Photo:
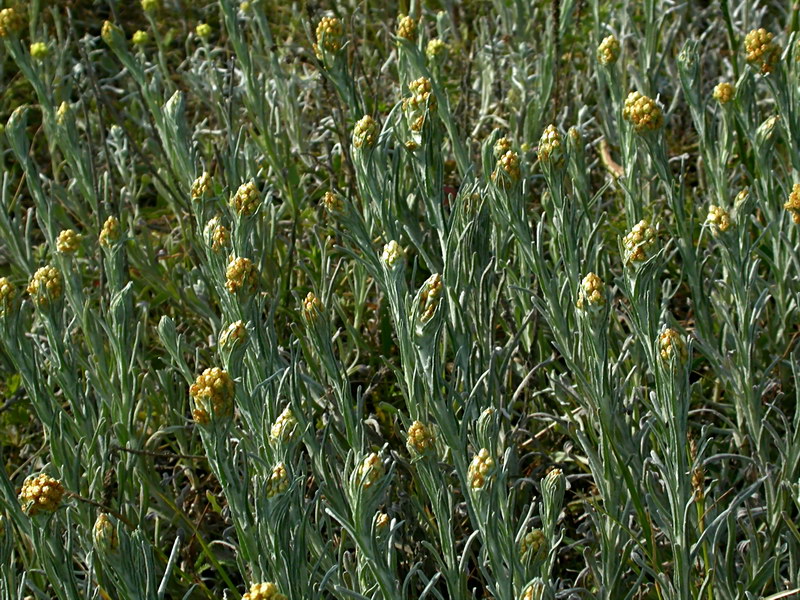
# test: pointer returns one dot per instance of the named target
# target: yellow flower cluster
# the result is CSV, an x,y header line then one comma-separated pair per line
x,y
637,241
608,51
110,232
216,234
550,145
670,343
332,202
532,541
793,203
45,285
435,48
263,591
421,97
724,92
761,51
39,50
480,469
407,28
501,147
278,481
392,254
233,334
507,169
329,36
421,438
150,5
642,112
68,241
284,429
370,470
312,306
241,274
7,293
203,30
245,200
365,133
10,22
41,493
108,31
429,298
105,534
381,520
62,112
140,38
592,291
201,186
212,393
718,219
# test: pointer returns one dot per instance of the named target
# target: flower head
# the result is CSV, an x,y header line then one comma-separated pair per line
x,y
608,51
420,99
724,92
201,186
45,285
7,294
429,297
216,234
284,429
370,470
592,291
241,274
212,393
68,241
105,534
435,48
550,149
480,469
365,133
329,36
246,199
110,232
532,542
671,344
761,51
11,22
263,591
278,480
718,219
793,203
506,170
39,50
332,202
407,28
312,307
637,241
421,438
41,493
203,30
233,334
642,112
150,5
392,254
501,147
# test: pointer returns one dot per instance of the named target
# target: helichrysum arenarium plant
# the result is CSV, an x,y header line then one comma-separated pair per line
x,y
389,302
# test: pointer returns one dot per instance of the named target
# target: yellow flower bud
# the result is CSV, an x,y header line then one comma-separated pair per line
x,y
392,254
241,275
365,133
246,199
793,203
212,393
608,51
284,429
40,493
407,28
110,232
278,481
68,241
550,149
435,49
201,186
671,344
7,294
312,307
592,291
105,534
506,172
233,334
329,36
421,439
642,112
216,234
203,30
480,469
370,470
263,591
39,50
637,241
11,22
45,285
718,219
724,92
761,51
140,38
